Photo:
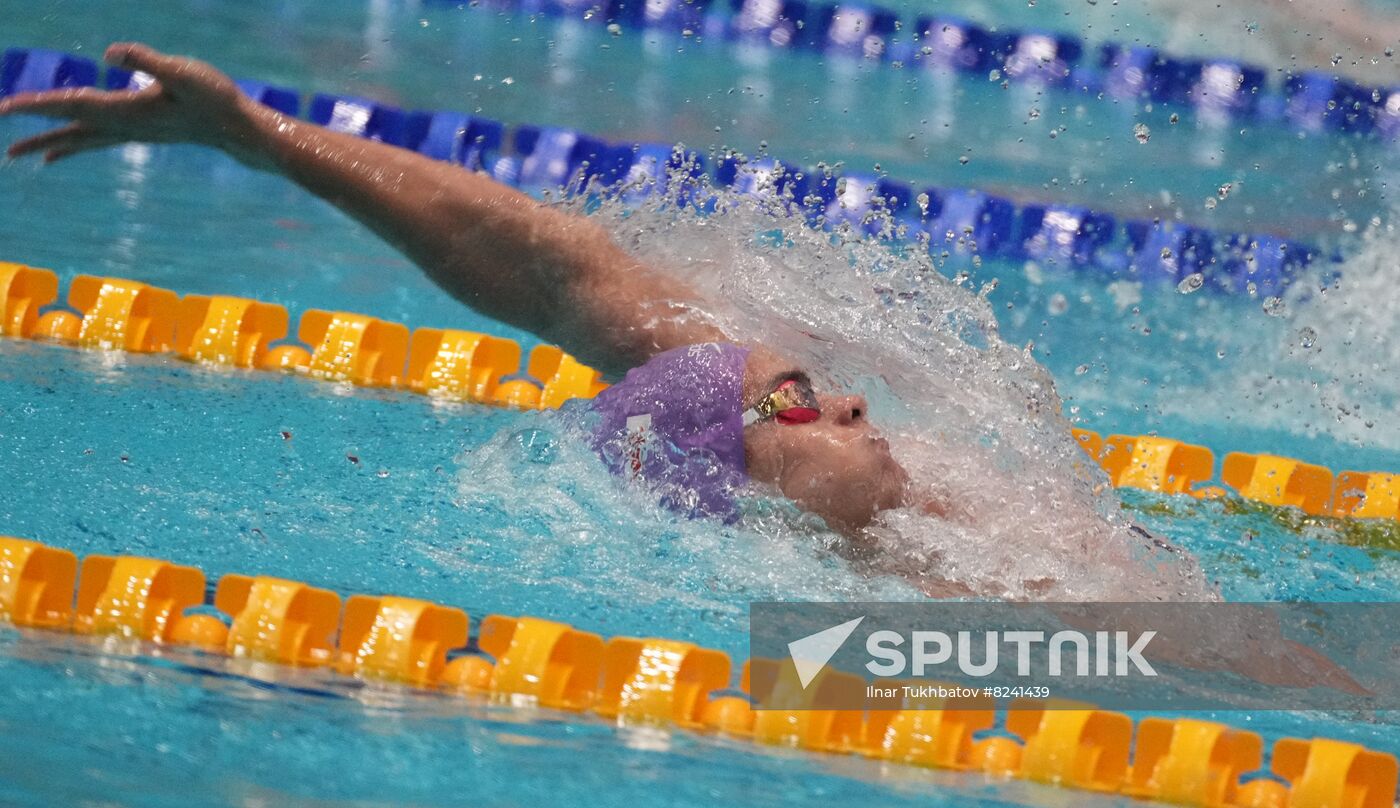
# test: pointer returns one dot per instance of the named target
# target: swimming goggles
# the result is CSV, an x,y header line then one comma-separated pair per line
x,y
791,403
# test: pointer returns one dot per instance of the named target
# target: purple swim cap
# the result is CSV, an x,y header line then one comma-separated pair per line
x,y
677,423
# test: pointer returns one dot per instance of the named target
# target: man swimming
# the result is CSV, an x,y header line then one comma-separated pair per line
x,y
522,262
700,412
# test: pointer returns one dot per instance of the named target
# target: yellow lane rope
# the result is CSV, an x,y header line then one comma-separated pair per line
x,y
536,663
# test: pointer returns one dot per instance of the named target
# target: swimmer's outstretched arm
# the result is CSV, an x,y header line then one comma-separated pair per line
x,y
497,250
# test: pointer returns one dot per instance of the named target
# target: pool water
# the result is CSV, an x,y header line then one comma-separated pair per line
x,y
500,512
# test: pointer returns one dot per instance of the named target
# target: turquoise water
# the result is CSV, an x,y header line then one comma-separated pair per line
x,y
152,456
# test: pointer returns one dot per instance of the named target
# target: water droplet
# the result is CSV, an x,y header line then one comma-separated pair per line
x,y
963,159
614,29
1174,118
1141,132
1058,304
1220,354
1224,190
538,446
1081,370
1033,114
994,75
1191,283
1210,203
1275,307
1307,336
1336,59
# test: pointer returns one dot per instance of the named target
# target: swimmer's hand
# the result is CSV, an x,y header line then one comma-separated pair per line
x,y
189,102
492,247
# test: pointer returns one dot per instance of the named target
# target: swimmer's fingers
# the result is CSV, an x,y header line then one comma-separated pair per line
x,y
178,74
79,102
63,142
175,75
44,140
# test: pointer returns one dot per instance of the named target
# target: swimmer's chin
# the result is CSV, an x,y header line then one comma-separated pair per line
x,y
892,491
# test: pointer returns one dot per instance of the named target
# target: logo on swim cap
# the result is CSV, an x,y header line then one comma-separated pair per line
x,y
638,432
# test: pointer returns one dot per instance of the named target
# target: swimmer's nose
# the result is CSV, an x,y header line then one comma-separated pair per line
x,y
849,410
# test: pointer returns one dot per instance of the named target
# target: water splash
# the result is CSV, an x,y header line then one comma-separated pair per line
x,y
975,420
1346,338
542,493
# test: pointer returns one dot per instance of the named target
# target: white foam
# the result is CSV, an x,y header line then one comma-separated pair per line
x,y
976,421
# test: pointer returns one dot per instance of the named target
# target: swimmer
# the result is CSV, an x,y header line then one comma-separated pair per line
x,y
696,411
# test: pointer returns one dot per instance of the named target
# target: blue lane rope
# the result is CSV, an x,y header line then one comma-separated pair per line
x,y
1310,100
950,220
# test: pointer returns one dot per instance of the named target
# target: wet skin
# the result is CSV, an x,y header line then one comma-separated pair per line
x,y
497,250
838,467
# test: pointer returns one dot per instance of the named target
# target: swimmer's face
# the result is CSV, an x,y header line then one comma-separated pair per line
x,y
838,466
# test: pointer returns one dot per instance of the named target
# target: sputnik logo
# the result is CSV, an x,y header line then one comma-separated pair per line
x,y
811,653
